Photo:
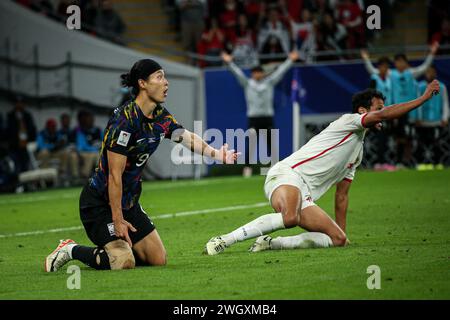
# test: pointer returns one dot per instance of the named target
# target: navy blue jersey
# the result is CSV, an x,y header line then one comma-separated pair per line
x,y
130,133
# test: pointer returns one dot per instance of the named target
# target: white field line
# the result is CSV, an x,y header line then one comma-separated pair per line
x,y
75,194
163,216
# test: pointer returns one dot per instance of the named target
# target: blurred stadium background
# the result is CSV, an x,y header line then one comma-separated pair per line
x,y
67,81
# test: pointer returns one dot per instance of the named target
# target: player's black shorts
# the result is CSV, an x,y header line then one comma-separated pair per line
x,y
96,217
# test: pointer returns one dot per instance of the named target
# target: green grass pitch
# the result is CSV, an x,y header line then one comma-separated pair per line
x,y
399,221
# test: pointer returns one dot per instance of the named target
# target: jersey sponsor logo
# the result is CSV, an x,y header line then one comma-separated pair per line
x,y
124,137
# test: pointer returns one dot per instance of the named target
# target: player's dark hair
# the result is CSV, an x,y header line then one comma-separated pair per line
x,y
364,99
140,70
384,60
400,56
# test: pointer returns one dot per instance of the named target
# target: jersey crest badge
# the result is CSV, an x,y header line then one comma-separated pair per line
x,y
124,137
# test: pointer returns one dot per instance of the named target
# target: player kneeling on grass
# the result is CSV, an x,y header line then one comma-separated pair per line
x,y
109,204
293,184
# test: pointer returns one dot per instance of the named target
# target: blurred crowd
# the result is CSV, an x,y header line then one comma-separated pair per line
x,y
98,17
72,150
248,28
439,23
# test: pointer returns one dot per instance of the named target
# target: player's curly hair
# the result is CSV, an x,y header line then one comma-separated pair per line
x,y
364,99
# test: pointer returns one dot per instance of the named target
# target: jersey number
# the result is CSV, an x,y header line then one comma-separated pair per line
x,y
142,159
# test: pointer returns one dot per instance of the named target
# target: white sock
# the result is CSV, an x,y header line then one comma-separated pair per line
x,y
69,249
261,225
302,241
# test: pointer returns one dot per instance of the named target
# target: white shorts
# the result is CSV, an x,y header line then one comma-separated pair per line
x,y
282,174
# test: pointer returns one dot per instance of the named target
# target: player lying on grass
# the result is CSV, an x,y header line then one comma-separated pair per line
x,y
109,204
295,183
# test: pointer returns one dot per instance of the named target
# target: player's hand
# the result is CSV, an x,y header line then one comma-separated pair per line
x,y
293,55
364,54
227,156
434,47
227,58
432,88
121,230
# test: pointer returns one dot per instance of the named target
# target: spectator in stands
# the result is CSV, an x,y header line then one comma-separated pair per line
x,y
88,142
258,92
192,24
443,36
89,14
350,15
304,35
50,147
212,42
229,19
243,45
332,36
432,119
108,22
67,137
252,9
274,37
438,10
20,131
44,7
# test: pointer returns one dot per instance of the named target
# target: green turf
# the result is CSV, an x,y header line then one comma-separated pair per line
x,y
399,221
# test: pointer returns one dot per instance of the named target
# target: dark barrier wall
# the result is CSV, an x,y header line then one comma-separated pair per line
x,y
327,89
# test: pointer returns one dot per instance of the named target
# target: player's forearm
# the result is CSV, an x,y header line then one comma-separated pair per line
x,y
397,110
115,196
198,145
340,209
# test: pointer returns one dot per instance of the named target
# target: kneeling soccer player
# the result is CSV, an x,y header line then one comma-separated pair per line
x,y
293,184
109,203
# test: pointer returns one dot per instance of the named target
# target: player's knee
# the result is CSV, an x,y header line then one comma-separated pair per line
x,y
160,260
120,255
290,219
340,239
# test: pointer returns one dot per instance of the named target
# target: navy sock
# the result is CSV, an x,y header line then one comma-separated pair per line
x,y
96,258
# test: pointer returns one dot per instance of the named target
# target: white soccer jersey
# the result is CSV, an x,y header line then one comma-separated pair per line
x,y
332,155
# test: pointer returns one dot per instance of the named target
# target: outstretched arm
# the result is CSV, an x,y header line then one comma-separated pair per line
x,y
235,70
276,76
397,110
367,63
420,70
341,203
198,145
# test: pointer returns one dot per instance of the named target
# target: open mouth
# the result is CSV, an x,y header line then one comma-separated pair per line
x,y
165,92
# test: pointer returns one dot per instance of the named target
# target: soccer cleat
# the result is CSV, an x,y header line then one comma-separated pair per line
x,y
261,244
59,257
215,246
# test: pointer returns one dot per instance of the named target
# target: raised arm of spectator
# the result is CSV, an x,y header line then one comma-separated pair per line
x,y
420,70
367,63
235,70
276,76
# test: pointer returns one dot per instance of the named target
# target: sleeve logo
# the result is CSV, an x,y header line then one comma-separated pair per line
x,y
124,137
